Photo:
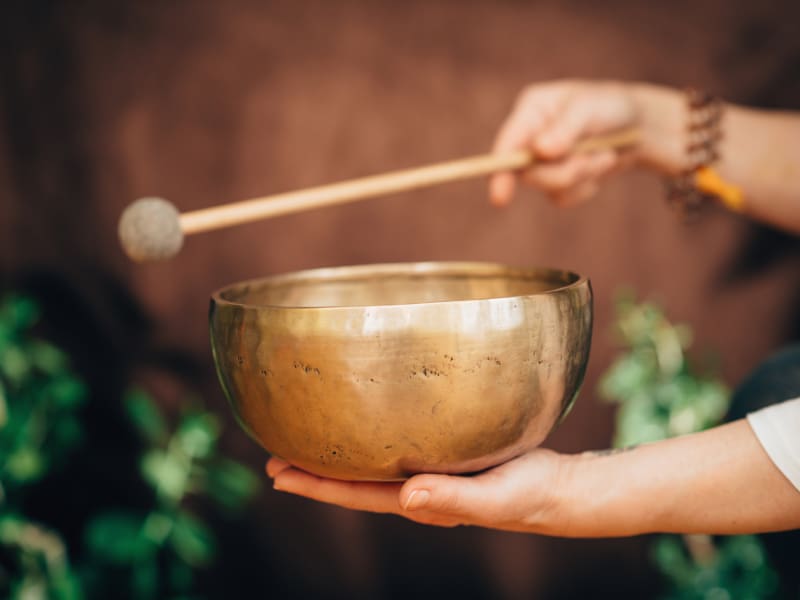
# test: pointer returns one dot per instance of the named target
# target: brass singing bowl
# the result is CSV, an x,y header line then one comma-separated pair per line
x,y
379,372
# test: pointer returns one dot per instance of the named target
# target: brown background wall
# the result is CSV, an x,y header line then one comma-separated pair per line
x,y
207,102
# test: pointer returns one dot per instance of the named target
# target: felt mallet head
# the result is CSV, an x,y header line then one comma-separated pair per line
x,y
150,230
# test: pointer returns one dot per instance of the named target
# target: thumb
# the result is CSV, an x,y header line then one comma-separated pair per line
x,y
462,497
563,131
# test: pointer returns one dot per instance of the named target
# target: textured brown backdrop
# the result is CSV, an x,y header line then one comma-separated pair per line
x,y
207,102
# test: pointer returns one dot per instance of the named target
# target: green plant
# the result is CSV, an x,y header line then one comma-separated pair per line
x,y
159,549
39,427
660,394
148,553
735,568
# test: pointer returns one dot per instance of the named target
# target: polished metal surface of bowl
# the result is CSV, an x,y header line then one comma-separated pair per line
x,y
378,372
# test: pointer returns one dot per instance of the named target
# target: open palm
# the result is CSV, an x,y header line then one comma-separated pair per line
x,y
515,496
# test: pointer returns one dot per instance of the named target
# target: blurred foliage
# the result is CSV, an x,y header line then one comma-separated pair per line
x,y
39,399
151,553
661,394
738,569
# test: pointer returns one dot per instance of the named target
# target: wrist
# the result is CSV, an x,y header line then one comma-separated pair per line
x,y
662,117
582,499
605,493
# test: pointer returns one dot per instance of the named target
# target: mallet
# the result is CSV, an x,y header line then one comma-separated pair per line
x,y
153,229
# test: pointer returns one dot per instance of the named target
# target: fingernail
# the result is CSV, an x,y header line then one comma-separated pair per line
x,y
275,466
417,499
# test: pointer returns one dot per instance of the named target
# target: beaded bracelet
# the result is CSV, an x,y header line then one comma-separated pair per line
x,y
698,183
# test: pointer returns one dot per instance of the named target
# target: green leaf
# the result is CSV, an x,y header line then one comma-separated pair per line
x,y
684,420
66,392
15,364
146,417
47,357
198,434
639,422
10,526
166,473
25,465
230,483
157,527
671,558
627,376
20,312
713,400
192,541
747,550
668,348
117,537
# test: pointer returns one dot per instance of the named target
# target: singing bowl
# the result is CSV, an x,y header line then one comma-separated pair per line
x,y
378,372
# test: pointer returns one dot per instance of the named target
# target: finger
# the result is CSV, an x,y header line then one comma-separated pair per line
x,y
501,188
556,178
578,194
367,496
557,139
463,499
276,465
516,133
518,130
371,497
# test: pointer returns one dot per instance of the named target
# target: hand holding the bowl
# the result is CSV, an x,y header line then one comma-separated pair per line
x,y
518,495
660,487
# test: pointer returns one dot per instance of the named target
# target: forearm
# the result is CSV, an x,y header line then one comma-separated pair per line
x,y
759,152
719,482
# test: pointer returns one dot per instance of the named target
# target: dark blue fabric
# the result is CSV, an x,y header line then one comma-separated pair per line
x,y
775,380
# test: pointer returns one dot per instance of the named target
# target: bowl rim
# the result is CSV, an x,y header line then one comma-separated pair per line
x,y
402,268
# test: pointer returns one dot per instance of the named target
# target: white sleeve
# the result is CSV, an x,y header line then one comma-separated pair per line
x,y
777,427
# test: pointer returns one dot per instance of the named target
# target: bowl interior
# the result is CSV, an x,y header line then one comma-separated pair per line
x,y
395,284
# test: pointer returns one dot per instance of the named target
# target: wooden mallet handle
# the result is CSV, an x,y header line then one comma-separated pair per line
x,y
153,229
216,217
